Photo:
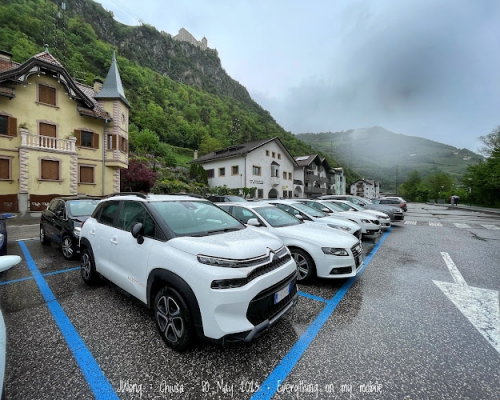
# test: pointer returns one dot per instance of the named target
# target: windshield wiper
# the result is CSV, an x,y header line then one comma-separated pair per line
x,y
216,231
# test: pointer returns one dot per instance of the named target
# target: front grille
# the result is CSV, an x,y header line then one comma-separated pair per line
x,y
356,250
266,268
376,221
262,306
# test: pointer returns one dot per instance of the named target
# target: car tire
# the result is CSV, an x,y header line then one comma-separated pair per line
x,y
87,268
305,265
173,319
43,236
68,249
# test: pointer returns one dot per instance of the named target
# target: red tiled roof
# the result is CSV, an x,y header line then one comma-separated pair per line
x,y
8,65
47,57
98,111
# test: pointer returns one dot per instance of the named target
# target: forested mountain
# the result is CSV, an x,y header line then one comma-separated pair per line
x,y
389,157
176,89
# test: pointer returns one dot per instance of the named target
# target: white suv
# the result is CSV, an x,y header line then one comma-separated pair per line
x,y
200,270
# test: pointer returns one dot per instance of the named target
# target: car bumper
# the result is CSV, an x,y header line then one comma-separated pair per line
x,y
244,313
332,267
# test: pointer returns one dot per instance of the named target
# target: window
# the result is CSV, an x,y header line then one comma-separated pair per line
x,y
86,174
234,170
210,173
279,156
260,193
108,213
50,170
133,212
289,176
87,139
8,125
284,175
255,170
4,168
290,194
222,171
111,142
275,171
48,129
123,145
47,95
267,153
274,154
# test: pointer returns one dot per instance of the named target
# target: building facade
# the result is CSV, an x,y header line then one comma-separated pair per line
x,y
365,188
318,177
264,164
185,36
58,137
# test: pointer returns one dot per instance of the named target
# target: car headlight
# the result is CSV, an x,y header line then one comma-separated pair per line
x,y
344,228
395,210
217,262
365,221
333,251
76,231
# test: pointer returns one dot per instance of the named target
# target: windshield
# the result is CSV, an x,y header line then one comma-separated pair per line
x,y
276,217
349,206
82,208
333,206
196,218
309,210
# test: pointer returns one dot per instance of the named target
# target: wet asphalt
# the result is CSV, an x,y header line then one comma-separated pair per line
x,y
391,333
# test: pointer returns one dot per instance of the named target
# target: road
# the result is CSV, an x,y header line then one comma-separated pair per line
x,y
420,322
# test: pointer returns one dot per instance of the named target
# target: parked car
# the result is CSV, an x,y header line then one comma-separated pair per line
x,y
344,205
395,213
6,262
398,200
3,236
366,221
308,214
201,271
221,199
61,222
316,249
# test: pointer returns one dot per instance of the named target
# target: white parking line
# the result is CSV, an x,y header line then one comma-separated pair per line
x,y
461,225
492,227
435,224
410,222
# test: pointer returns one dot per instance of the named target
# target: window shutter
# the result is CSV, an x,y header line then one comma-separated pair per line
x,y
115,146
12,126
95,140
78,134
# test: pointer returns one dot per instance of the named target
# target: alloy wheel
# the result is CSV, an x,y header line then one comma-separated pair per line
x,y
169,317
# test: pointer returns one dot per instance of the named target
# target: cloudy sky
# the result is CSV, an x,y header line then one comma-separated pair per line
x,y
428,68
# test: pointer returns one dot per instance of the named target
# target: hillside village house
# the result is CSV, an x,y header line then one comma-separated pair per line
x,y
267,165
58,136
264,164
365,188
318,177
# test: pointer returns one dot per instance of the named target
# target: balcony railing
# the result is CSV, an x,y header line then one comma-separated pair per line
x,y
297,182
47,142
314,190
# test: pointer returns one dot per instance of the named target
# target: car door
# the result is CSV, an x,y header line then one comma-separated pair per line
x,y
49,219
60,223
128,265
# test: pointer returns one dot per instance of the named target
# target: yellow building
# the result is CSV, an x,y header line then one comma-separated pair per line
x,y
57,136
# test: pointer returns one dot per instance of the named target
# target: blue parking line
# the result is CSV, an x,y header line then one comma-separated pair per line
x,y
311,296
283,369
98,383
46,274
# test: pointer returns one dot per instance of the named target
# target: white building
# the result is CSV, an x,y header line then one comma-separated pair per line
x,y
365,188
318,177
264,164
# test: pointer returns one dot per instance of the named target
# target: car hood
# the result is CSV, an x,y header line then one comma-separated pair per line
x,y
243,244
318,234
7,262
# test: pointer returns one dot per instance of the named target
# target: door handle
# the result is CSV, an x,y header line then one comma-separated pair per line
x,y
113,241
92,233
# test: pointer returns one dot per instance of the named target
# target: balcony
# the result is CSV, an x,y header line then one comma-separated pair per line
x,y
275,180
297,182
314,190
47,142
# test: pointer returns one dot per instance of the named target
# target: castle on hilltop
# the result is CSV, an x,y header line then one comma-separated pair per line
x,y
185,36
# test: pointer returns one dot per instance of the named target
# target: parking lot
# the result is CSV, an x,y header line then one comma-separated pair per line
x,y
68,340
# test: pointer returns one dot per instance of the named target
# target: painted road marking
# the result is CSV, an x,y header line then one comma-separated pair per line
x,y
407,222
272,383
46,274
311,296
461,225
435,224
492,227
96,379
479,306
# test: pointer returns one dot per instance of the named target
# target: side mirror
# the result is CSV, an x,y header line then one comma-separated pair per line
x,y
253,222
298,216
326,210
136,232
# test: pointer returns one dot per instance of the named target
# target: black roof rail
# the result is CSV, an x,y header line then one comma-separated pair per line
x,y
138,194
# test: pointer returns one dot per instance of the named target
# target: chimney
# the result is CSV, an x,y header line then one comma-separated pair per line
x,y
97,85
195,154
5,55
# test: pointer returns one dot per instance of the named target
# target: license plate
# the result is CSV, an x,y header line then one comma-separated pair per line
x,y
278,296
